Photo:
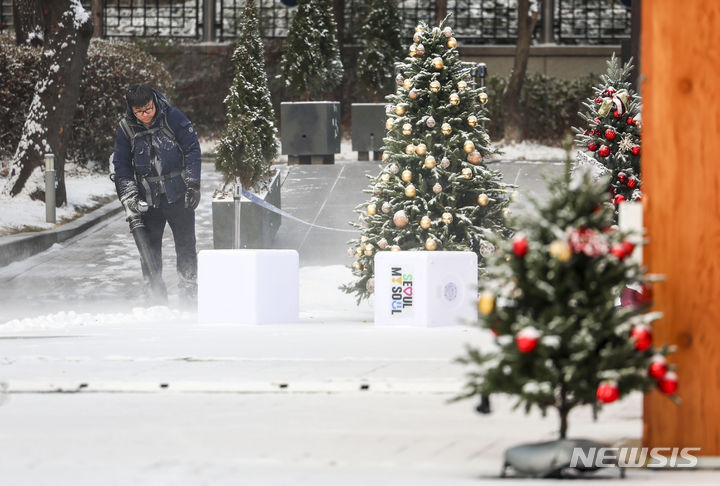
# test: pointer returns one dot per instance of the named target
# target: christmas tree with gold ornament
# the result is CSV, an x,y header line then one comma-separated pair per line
x,y
550,296
611,141
434,191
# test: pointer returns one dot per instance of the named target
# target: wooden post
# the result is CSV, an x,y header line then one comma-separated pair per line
x,y
681,181
440,10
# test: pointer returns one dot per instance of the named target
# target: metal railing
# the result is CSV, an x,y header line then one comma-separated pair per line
x,y
474,21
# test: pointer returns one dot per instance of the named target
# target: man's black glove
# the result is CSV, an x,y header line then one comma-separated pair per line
x,y
192,194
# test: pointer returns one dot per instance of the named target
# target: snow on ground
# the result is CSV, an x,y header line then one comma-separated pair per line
x,y
83,189
83,185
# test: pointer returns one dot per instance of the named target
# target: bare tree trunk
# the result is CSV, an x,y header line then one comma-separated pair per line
x,y
49,119
28,21
511,98
97,16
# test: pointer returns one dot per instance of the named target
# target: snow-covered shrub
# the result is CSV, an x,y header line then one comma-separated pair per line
x,y
110,69
20,68
548,105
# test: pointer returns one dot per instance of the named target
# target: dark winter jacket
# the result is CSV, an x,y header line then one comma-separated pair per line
x,y
128,179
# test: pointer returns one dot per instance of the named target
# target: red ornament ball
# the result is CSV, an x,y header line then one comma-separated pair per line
x,y
592,146
607,392
610,134
520,246
642,336
617,114
598,100
635,149
627,247
604,151
618,251
658,367
619,198
596,120
668,384
622,177
527,339
630,121
632,182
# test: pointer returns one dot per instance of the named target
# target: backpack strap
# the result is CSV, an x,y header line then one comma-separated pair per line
x,y
164,127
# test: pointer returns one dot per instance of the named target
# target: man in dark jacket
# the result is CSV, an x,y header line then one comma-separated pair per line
x,y
157,160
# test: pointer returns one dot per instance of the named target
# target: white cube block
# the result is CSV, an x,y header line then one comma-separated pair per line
x,y
425,288
248,286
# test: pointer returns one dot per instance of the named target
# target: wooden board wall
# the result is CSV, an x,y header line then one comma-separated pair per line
x,y
681,185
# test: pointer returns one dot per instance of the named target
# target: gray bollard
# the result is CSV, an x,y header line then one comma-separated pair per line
x,y
237,193
50,188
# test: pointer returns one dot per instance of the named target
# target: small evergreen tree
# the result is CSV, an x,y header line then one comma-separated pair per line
x,y
612,136
549,298
310,65
249,143
381,47
434,192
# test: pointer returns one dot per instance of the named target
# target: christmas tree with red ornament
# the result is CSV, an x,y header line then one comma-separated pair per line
x,y
549,297
612,137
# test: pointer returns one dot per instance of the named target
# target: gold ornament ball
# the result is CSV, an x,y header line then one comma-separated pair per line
x,y
389,123
385,207
506,212
420,50
358,266
416,37
454,99
452,43
394,168
560,250
468,146
483,200
448,31
483,97
400,219
430,162
420,29
410,149
447,218
435,86
358,252
445,163
438,63
385,156
413,94
378,190
350,252
437,188
385,177
431,244
474,157
446,129
406,176
400,110
486,303
394,248
399,79
406,129
368,252
407,84
472,120
413,50
382,244
421,149
410,191
462,86
466,173
514,196
430,122
372,209
425,222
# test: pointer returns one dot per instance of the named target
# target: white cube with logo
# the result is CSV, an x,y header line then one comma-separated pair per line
x,y
248,286
425,288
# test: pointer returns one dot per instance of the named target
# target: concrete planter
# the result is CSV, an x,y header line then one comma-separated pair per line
x,y
368,129
258,225
310,131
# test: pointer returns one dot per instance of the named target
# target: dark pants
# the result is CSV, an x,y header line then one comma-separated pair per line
x,y
182,224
